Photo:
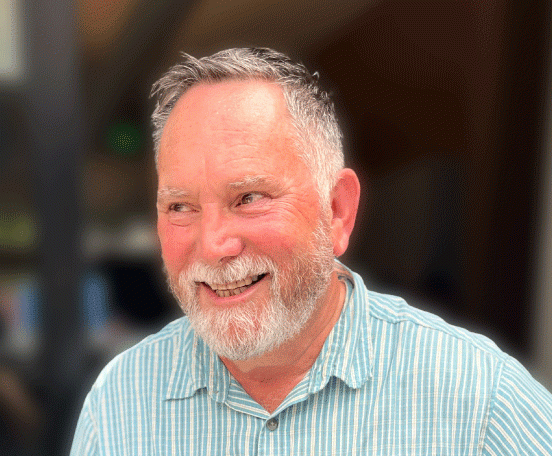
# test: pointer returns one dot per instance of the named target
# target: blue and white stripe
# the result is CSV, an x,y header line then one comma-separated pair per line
x,y
390,380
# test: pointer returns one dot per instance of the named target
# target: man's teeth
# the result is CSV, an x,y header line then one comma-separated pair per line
x,y
225,290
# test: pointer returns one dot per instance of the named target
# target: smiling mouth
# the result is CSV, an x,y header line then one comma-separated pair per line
x,y
226,290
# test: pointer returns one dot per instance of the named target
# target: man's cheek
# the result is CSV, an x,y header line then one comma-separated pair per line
x,y
176,248
273,239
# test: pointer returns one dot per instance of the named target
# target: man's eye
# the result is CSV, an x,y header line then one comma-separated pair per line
x,y
249,198
179,207
180,214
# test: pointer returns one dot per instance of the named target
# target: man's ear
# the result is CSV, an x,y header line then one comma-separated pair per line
x,y
344,200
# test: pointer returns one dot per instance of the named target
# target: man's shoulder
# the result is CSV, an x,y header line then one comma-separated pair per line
x,y
393,310
159,347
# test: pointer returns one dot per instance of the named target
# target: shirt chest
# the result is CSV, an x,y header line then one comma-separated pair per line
x,y
337,420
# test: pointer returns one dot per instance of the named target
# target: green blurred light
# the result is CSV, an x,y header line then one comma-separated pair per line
x,y
125,138
18,231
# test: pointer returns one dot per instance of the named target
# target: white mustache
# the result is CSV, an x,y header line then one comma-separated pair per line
x,y
236,270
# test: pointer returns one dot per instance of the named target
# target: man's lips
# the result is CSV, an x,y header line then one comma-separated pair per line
x,y
225,290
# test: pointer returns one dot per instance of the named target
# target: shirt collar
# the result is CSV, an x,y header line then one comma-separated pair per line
x,y
196,366
347,353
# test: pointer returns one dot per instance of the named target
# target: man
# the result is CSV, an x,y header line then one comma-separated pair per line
x,y
282,349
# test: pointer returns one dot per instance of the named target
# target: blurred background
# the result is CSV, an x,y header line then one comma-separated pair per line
x,y
446,112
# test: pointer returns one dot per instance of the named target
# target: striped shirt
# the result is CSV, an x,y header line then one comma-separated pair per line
x,y
390,380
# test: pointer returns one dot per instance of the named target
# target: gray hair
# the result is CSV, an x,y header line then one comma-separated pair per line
x,y
318,136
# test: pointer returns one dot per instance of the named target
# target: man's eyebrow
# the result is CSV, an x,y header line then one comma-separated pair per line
x,y
243,182
171,192
255,179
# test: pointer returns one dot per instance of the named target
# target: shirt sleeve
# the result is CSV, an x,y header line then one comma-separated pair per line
x,y
85,441
520,418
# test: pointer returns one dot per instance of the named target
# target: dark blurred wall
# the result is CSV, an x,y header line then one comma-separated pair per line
x,y
444,108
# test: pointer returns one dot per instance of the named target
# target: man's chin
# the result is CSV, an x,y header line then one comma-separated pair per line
x,y
234,349
234,333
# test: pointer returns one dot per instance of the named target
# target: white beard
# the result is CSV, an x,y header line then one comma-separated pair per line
x,y
251,329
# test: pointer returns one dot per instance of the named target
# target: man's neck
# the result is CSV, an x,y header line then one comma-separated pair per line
x,y
269,378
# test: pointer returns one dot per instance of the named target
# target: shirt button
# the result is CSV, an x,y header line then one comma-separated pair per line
x,y
272,424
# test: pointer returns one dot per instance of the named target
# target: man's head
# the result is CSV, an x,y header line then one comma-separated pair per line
x,y
248,242
311,111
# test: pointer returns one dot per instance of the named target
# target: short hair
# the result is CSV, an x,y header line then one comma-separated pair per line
x,y
318,136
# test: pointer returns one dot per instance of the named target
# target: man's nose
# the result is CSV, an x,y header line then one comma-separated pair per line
x,y
219,237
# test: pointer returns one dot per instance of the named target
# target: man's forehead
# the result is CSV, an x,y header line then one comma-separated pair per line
x,y
233,143
229,113
254,100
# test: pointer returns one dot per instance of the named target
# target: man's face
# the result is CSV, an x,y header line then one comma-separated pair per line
x,y
246,245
